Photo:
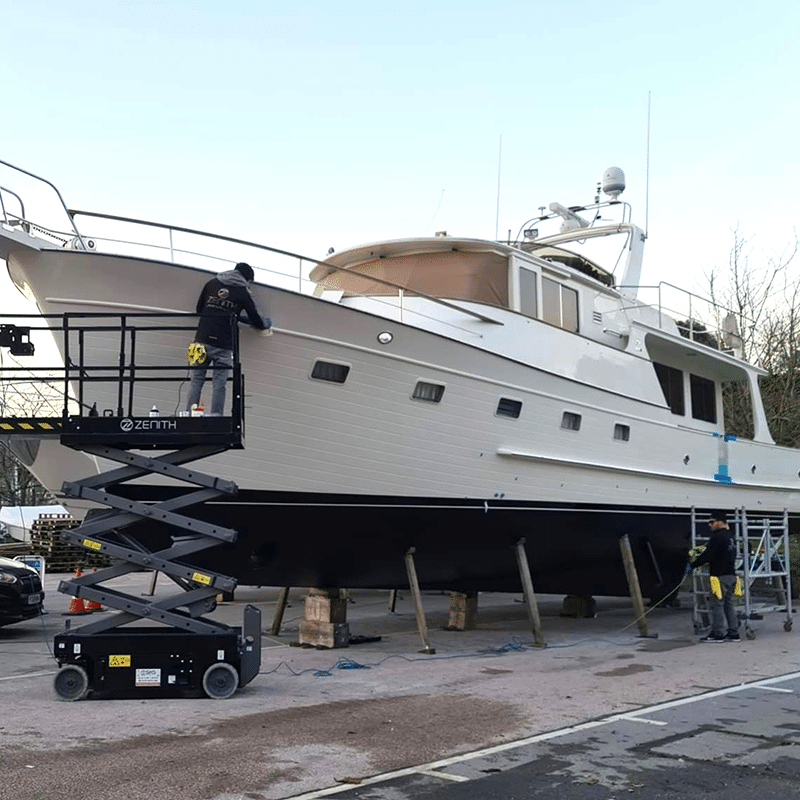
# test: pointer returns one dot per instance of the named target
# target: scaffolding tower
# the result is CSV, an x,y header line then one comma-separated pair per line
x,y
104,401
762,553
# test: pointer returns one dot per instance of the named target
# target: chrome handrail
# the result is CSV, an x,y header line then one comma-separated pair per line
x,y
53,187
267,248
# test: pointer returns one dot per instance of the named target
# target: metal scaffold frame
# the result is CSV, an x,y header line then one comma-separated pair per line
x,y
762,553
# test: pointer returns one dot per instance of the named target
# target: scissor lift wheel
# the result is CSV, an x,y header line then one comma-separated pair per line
x,y
220,681
71,683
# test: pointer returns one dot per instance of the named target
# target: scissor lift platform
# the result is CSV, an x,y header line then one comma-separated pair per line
x,y
179,651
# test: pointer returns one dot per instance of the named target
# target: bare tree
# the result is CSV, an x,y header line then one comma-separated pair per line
x,y
764,300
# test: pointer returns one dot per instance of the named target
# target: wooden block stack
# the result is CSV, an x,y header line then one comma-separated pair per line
x,y
324,622
60,556
463,611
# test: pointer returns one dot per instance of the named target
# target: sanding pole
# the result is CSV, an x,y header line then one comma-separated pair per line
x,y
530,595
413,584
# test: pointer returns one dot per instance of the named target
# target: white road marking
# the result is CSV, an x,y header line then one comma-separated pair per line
x,y
446,775
630,716
27,675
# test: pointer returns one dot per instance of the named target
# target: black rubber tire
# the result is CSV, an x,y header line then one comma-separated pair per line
x,y
71,683
220,681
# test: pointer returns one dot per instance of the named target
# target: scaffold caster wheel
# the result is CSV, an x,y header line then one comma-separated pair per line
x,y
220,681
71,683
749,633
787,626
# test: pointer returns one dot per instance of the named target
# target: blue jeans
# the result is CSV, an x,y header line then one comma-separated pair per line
x,y
222,361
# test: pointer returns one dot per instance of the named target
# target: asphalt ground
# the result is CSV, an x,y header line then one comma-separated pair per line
x,y
345,722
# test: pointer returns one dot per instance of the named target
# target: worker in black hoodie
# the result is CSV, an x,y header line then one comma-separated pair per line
x,y
220,304
720,555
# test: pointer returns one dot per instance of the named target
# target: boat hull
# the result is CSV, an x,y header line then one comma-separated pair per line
x,y
293,539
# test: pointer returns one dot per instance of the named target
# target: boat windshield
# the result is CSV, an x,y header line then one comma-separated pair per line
x,y
480,277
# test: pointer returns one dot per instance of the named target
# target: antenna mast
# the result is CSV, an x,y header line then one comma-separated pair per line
x,y
647,176
497,217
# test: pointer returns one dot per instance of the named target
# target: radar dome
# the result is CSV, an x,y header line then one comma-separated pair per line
x,y
613,183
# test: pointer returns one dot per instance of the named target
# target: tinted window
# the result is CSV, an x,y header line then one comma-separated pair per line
x,y
671,381
704,398
527,293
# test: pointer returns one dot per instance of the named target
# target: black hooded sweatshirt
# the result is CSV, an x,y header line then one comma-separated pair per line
x,y
220,304
720,554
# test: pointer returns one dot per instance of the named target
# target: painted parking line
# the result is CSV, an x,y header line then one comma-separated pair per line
x,y
432,768
775,689
27,675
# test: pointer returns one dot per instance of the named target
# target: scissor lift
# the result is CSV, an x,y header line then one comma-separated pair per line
x,y
177,651
762,553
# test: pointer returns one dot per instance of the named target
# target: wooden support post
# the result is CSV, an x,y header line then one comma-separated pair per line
x,y
413,584
392,600
324,621
633,585
530,595
277,620
463,611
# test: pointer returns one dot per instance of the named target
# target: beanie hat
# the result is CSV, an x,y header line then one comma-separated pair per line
x,y
245,270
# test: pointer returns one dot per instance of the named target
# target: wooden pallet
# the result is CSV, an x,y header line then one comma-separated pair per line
x,y
59,555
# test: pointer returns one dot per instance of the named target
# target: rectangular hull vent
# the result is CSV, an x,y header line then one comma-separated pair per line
x,y
432,392
327,371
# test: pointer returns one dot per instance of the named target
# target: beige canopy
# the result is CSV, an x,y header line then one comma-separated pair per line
x,y
480,277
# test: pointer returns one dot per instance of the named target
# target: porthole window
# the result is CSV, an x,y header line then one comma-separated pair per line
x,y
432,392
328,371
571,421
509,408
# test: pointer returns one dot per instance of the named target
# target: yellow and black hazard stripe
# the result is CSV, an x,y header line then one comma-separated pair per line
x,y
31,425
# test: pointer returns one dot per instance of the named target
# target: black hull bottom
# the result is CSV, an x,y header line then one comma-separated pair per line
x,y
291,539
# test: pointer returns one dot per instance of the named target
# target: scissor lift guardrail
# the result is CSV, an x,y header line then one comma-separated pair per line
x,y
186,653
762,553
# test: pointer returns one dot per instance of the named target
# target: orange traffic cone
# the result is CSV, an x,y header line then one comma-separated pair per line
x,y
93,605
76,605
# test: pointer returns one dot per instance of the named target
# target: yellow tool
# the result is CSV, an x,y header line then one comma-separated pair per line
x,y
197,353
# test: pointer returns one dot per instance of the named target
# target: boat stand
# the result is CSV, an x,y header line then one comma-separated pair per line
x,y
635,589
529,594
413,584
184,653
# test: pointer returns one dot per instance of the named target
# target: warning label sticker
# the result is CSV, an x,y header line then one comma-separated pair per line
x,y
119,661
148,677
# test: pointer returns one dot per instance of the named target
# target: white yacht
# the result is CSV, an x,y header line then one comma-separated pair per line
x,y
448,394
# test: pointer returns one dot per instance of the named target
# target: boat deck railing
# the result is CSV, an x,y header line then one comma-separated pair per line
x,y
104,375
44,215
698,318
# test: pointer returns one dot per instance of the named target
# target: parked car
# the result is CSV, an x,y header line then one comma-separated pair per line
x,y
21,594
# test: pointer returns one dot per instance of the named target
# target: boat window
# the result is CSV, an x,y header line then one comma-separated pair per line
x,y
571,421
527,293
508,408
326,371
559,305
622,433
704,398
737,409
431,392
671,381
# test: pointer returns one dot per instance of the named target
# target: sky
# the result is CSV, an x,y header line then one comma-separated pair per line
x,y
309,125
